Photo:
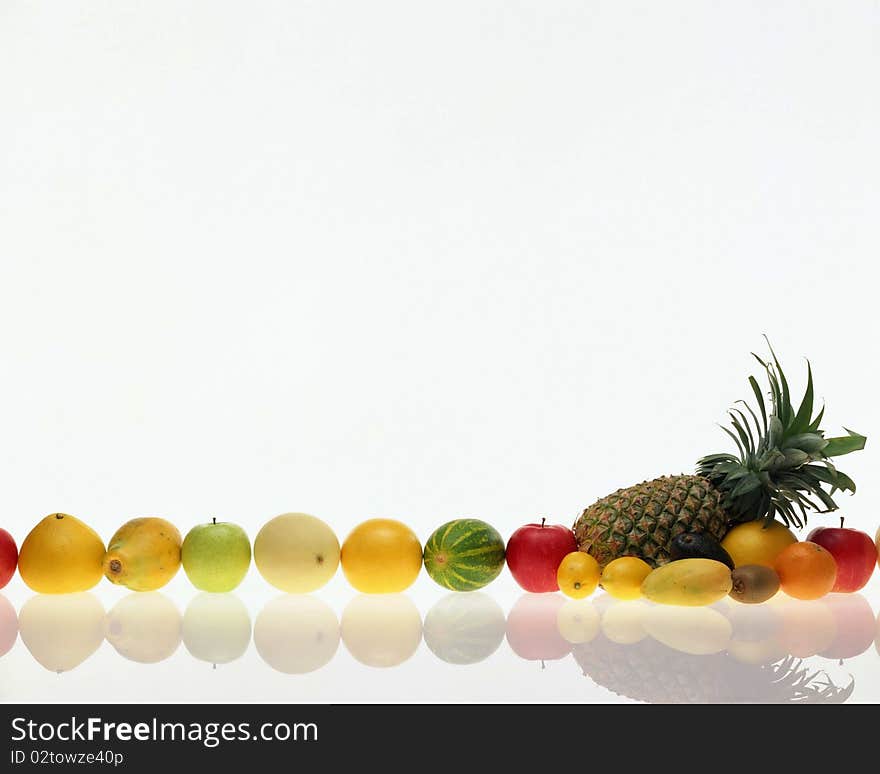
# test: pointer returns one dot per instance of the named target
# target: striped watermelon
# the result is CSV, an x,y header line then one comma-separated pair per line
x,y
464,554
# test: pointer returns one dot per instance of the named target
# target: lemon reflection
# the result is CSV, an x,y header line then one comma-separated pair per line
x,y
381,630
62,630
216,628
296,634
727,653
144,627
464,628
8,626
578,621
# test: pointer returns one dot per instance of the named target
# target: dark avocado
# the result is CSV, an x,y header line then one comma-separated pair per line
x,y
698,545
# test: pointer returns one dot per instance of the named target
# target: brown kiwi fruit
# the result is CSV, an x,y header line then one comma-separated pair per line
x,y
753,584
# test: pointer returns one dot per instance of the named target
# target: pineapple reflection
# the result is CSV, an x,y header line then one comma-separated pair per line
x,y
296,634
216,628
381,630
727,653
62,630
8,626
464,628
144,627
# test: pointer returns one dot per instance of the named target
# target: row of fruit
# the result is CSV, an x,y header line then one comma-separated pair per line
x,y
299,553
665,538
300,633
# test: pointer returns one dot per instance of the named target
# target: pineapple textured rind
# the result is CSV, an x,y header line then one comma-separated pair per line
x,y
642,520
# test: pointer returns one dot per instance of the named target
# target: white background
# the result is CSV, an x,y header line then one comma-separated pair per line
x,y
415,260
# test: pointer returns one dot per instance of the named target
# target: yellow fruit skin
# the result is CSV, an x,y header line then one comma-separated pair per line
x,y
688,582
61,555
296,552
143,555
381,556
578,575
753,543
622,578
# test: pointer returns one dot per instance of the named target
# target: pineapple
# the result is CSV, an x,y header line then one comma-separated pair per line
x,y
783,462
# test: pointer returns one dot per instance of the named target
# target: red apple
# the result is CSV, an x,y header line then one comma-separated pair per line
x,y
855,626
8,626
854,552
8,557
532,631
534,553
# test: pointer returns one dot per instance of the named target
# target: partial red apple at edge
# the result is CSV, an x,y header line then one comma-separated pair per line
x,y
8,557
534,553
854,552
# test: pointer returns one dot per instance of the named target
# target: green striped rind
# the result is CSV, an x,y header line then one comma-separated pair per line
x,y
464,554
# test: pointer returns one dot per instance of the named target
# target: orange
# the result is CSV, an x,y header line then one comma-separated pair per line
x,y
578,575
806,570
381,556
755,542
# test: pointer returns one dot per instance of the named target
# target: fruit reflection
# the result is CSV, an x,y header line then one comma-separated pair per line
x,y
698,631
8,626
61,631
854,626
650,671
144,627
296,634
532,630
216,628
381,630
578,621
808,627
464,628
755,636
623,622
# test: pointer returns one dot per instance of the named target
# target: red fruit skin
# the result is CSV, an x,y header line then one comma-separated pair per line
x,y
855,626
8,626
8,557
854,552
532,630
534,553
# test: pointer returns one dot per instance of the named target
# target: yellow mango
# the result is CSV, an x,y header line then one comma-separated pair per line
x,y
689,582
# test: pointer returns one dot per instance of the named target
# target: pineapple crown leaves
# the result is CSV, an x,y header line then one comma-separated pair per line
x,y
784,458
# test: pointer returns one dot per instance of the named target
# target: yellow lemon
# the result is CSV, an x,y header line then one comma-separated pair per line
x,y
381,556
756,543
61,555
622,578
578,575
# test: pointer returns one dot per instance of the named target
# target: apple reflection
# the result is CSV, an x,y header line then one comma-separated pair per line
x,y
61,631
726,653
464,628
296,634
381,630
216,628
533,629
8,626
144,627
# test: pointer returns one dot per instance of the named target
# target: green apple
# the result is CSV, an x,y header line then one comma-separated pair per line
x,y
216,628
216,557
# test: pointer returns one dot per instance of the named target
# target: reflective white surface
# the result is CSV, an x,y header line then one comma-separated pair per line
x,y
497,645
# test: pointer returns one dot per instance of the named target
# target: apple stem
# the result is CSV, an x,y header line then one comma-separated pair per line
x,y
214,519
841,522
543,519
